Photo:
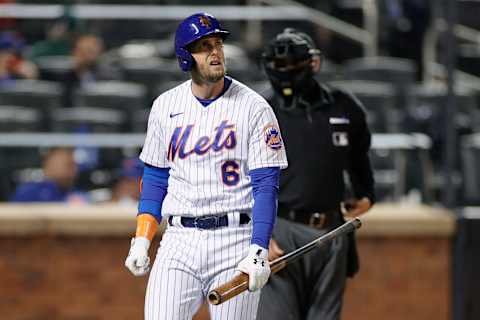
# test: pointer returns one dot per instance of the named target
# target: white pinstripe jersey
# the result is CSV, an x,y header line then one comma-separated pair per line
x,y
210,150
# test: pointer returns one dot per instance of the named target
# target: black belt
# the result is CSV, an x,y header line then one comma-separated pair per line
x,y
320,220
208,222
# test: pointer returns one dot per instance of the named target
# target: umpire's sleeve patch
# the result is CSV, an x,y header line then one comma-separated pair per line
x,y
273,138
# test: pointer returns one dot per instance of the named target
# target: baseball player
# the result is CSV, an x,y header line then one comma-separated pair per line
x,y
212,155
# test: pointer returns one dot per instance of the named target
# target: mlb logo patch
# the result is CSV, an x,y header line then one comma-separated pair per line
x,y
272,137
340,139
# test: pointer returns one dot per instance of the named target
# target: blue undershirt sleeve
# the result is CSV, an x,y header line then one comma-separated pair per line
x,y
265,183
154,190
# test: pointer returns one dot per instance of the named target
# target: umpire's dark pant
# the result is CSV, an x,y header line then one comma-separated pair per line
x,y
311,287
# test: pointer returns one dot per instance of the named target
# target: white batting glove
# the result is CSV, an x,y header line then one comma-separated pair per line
x,y
256,265
138,261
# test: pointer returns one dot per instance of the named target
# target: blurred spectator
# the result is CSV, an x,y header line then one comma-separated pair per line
x,y
126,189
59,170
7,23
6,58
87,67
86,52
59,38
406,23
12,64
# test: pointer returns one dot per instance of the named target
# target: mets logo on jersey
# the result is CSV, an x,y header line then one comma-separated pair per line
x,y
205,22
272,137
224,137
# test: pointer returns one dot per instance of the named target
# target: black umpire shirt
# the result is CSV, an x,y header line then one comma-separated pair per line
x,y
325,134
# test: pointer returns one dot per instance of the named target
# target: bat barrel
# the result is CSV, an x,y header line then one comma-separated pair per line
x,y
229,290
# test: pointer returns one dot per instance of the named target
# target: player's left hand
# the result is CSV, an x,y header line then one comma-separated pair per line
x,y
138,261
356,207
256,265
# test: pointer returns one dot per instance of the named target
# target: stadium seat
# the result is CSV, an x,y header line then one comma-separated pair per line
x,y
42,95
54,68
152,70
139,120
111,94
90,119
20,119
164,86
435,98
239,66
379,101
389,168
402,166
329,71
426,113
17,119
397,71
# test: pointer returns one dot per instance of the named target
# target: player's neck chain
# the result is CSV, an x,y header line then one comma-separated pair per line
x,y
223,138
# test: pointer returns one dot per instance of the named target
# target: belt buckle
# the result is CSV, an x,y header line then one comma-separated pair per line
x,y
206,222
317,220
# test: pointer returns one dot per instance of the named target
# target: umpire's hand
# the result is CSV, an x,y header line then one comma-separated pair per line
x,y
356,207
138,261
274,250
256,265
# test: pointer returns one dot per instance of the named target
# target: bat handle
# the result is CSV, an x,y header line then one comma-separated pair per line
x,y
229,290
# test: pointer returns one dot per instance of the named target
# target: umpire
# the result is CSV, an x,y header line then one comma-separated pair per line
x,y
325,134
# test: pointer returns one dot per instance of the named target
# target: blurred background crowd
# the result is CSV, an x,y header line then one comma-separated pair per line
x,y
68,69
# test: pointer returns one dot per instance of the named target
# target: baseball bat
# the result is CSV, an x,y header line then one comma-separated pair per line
x,y
240,283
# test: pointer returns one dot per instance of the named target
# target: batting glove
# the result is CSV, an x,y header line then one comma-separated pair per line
x,y
256,265
138,261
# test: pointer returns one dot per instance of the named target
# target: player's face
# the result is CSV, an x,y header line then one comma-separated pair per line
x,y
209,58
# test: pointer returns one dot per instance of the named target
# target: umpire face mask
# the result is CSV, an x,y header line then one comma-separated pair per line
x,y
290,80
287,61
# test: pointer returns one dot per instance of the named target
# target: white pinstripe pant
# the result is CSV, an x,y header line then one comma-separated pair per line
x,y
189,263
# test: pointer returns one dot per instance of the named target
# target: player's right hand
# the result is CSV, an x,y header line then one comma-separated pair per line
x,y
256,265
138,261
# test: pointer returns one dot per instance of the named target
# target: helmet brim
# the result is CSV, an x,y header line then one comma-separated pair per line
x,y
221,32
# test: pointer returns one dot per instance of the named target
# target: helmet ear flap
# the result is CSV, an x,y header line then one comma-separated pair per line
x,y
185,59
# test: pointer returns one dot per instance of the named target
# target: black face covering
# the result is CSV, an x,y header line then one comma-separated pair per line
x,y
291,83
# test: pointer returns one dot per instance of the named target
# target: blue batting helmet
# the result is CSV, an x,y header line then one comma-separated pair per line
x,y
191,29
